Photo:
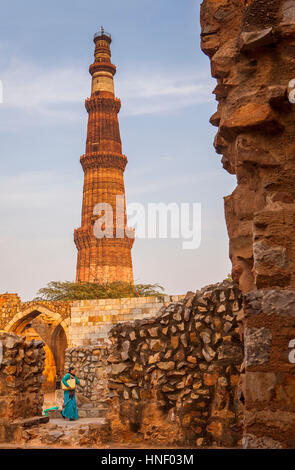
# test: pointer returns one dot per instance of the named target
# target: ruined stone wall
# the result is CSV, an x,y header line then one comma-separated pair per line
x,y
173,378
87,321
251,48
169,379
91,320
21,395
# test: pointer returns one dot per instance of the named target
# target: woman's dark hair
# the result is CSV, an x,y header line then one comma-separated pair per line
x,y
71,368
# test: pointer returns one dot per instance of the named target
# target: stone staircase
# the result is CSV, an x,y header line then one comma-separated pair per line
x,y
92,411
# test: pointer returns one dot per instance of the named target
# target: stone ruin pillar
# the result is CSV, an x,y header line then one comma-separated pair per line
x,y
251,46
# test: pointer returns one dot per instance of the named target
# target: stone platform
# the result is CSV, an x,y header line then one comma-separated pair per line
x,y
85,432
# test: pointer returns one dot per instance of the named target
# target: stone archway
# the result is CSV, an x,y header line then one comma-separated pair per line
x,y
40,323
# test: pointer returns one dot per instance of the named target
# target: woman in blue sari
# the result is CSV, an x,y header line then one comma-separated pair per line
x,y
70,406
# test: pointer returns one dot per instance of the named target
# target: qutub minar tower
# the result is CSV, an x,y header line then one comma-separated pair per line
x,y
103,259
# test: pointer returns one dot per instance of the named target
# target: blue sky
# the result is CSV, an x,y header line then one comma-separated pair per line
x,y
163,80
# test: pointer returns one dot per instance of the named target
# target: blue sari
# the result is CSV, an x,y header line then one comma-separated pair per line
x,y
70,406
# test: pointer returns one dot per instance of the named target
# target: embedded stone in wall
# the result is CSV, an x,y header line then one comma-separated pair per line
x,y
257,345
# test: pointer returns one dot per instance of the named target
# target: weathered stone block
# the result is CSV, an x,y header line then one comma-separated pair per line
x,y
258,342
260,386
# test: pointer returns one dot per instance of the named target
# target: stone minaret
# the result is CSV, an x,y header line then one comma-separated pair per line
x,y
108,258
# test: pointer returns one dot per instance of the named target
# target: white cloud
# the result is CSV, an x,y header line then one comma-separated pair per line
x,y
169,83
58,93
160,184
45,91
170,90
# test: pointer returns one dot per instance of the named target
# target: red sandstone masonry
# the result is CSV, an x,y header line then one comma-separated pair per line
x,y
105,259
251,48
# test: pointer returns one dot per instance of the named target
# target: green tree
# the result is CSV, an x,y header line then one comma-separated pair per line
x,y
57,290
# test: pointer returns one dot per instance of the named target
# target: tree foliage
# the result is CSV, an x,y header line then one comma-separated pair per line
x,y
57,290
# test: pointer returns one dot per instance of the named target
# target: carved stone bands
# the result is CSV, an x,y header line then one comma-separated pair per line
x,y
96,103
102,67
85,237
100,159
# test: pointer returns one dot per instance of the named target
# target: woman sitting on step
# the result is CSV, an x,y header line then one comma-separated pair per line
x,y
69,383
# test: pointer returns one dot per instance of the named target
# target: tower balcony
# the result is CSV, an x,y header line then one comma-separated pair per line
x,y
85,237
102,35
102,66
103,159
102,101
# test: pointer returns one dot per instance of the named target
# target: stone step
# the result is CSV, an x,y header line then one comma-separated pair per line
x,y
92,413
87,406
90,406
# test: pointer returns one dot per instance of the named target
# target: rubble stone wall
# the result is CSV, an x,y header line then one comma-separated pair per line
x,y
173,378
91,369
21,395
